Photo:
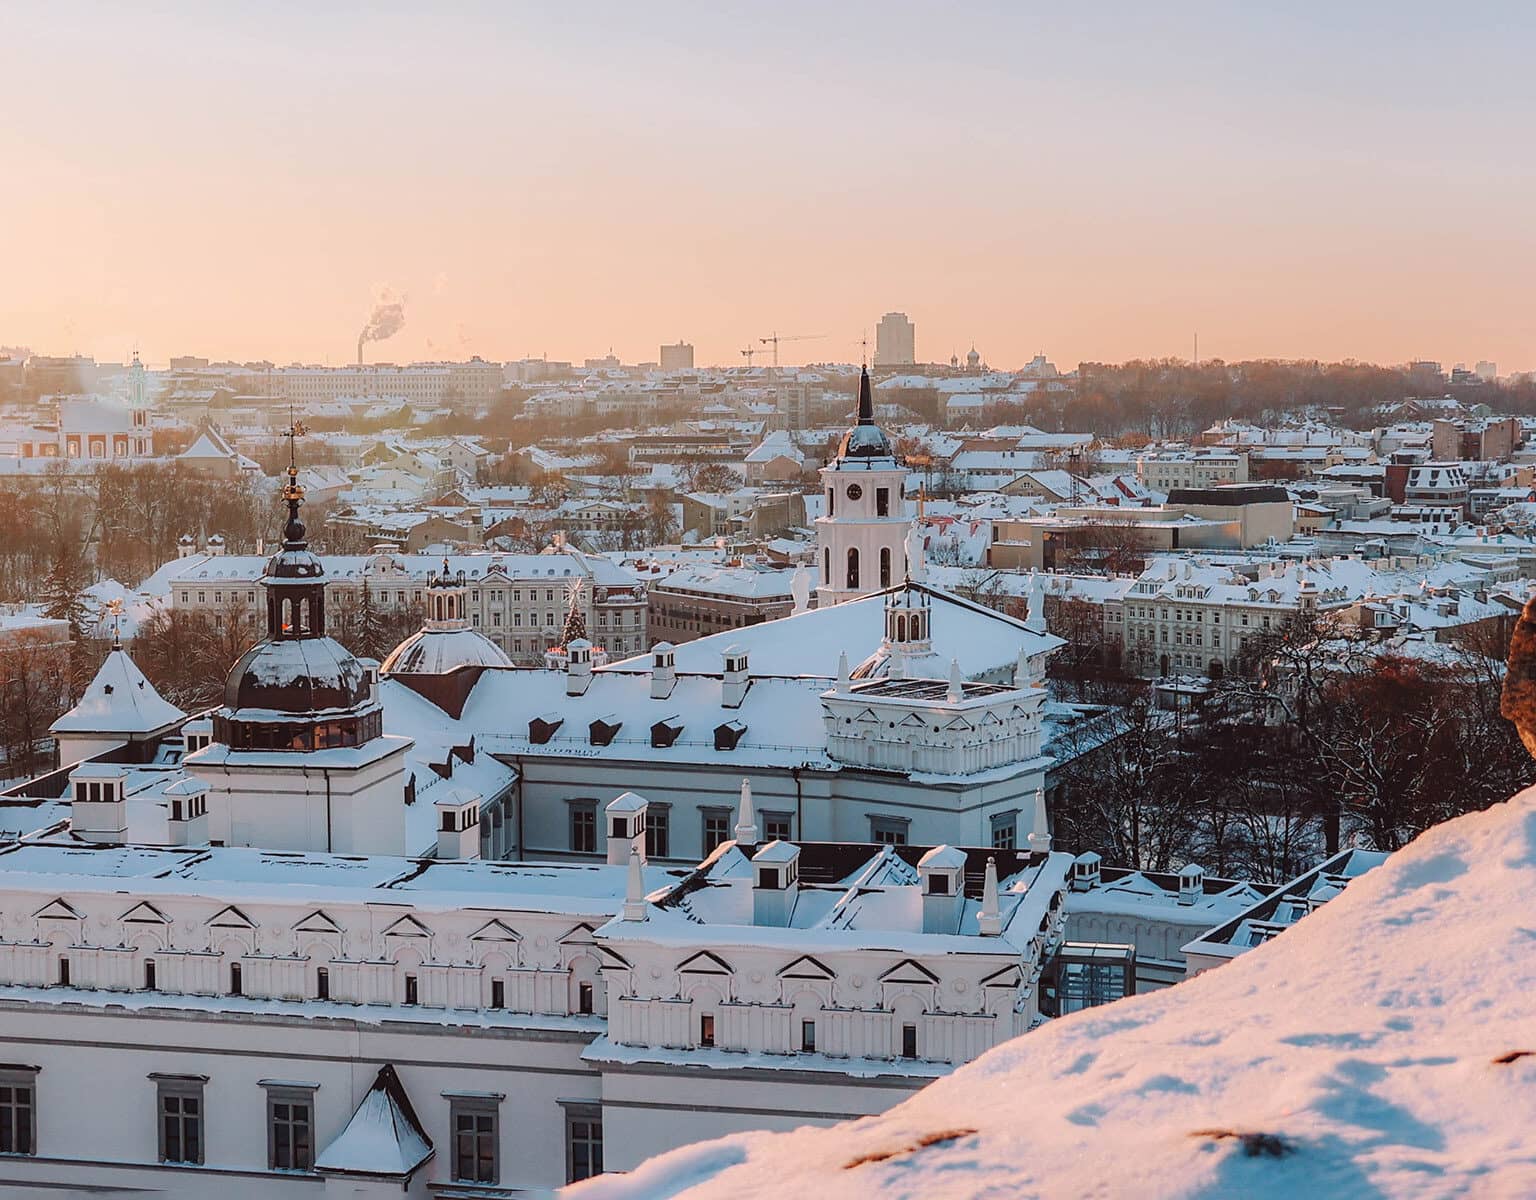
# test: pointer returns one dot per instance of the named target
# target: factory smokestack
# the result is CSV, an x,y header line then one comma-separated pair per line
x,y
386,320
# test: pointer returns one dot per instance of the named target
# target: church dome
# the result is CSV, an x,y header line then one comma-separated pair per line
x,y
865,439
436,652
297,676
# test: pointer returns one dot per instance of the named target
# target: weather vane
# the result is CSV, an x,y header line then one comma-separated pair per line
x,y
115,611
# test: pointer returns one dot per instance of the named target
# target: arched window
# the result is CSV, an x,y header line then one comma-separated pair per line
x,y
853,567
901,629
303,616
885,567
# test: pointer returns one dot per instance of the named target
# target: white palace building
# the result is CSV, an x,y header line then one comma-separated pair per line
x,y
458,929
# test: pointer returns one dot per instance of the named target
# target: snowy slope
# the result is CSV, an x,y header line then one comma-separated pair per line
x,y
1366,1040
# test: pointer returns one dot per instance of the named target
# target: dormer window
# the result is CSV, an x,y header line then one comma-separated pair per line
x,y
666,731
938,885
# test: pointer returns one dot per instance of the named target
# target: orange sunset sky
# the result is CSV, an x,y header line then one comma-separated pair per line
x,y
239,180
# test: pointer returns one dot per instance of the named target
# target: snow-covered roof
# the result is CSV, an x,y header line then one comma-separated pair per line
x,y
1381,1048
984,641
384,1136
119,700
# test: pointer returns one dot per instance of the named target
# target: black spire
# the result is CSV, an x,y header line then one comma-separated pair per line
x,y
865,439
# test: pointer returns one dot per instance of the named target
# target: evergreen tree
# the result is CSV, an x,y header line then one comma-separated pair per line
x,y
575,622
61,594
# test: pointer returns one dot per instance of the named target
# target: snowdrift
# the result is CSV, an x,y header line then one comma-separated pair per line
x,y
1385,1047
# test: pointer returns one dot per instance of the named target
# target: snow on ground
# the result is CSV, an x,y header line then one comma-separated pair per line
x,y
1365,1053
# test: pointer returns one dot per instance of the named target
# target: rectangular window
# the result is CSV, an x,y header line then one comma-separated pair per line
x,y
236,984
149,974
1005,828
909,1041
776,826
474,1139
583,1143
707,1030
181,1120
322,983
887,831
808,1036
63,971
882,502
410,989
290,1129
717,828
18,1111
658,839
498,993
584,998
584,828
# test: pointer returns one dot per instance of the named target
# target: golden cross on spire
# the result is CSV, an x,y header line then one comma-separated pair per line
x,y
295,430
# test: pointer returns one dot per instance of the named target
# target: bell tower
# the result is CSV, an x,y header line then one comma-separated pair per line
x,y
861,537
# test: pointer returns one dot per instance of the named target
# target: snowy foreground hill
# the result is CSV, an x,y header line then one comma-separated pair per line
x,y
1373,1051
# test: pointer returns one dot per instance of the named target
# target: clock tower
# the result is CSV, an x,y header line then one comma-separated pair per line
x,y
862,535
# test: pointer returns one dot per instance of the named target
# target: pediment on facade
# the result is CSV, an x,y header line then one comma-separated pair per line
x,y
58,910
230,918
1009,977
705,963
580,934
145,913
408,926
806,967
494,931
911,721
909,971
959,723
317,922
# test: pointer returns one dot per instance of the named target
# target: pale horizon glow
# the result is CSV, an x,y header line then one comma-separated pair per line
x,y
240,180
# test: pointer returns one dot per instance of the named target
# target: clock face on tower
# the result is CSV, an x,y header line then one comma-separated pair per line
x,y
854,491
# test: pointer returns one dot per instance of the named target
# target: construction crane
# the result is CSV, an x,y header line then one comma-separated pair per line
x,y
748,353
774,340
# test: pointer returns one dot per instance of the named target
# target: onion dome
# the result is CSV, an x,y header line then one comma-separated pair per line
x,y
298,689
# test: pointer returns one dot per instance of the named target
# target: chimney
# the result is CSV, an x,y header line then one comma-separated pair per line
x,y
458,825
626,828
746,818
989,920
1191,884
663,670
734,683
1085,872
98,811
940,872
775,883
634,890
578,667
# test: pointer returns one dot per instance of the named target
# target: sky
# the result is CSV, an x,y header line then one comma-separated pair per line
x,y
1094,182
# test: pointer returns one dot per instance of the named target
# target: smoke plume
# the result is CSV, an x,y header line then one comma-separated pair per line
x,y
386,320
